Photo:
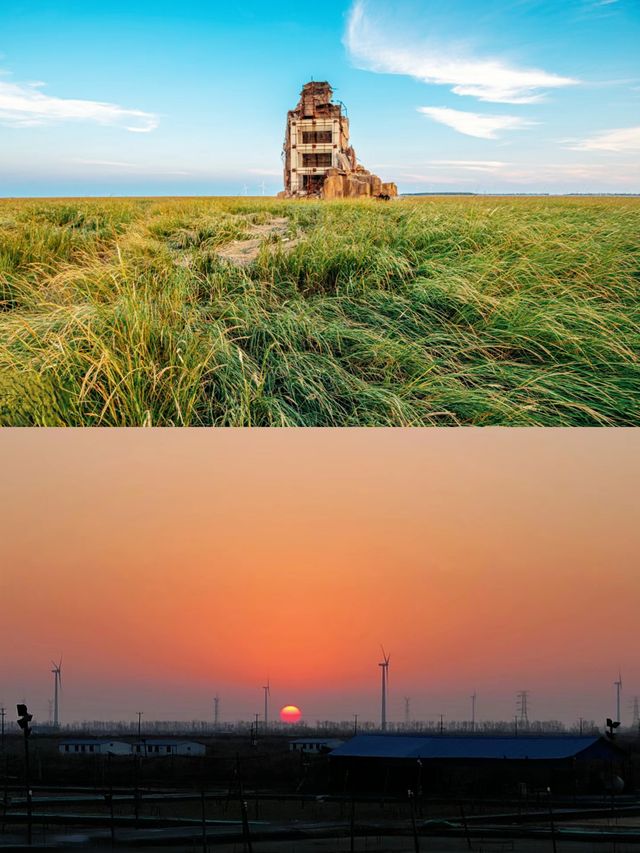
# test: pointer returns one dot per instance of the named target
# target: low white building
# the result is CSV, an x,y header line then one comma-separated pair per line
x,y
316,745
159,747
93,746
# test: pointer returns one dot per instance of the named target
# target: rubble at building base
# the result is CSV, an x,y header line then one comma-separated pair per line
x,y
355,184
319,161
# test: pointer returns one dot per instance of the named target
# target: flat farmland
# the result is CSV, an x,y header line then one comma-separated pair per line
x,y
436,311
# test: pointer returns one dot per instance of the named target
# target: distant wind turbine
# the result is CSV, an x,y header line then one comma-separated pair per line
x,y
267,694
618,686
57,686
385,684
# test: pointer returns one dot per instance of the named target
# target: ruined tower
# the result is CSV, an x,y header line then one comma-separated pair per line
x,y
318,159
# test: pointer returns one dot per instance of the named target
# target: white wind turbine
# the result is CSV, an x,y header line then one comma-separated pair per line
x,y
57,686
385,684
618,686
267,694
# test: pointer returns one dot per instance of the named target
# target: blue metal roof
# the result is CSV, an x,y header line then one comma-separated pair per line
x,y
442,746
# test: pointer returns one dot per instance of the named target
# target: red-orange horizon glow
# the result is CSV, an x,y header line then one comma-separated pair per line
x,y
290,714
166,566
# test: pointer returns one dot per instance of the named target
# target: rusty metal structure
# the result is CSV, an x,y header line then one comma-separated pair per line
x,y
318,158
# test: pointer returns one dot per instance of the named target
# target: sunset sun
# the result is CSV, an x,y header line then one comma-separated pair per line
x,y
290,714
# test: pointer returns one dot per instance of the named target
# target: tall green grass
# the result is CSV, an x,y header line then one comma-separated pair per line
x,y
424,312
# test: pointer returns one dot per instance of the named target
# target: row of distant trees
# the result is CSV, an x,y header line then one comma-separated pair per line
x,y
325,728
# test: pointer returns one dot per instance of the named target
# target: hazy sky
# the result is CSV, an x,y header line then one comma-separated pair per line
x,y
166,566
143,97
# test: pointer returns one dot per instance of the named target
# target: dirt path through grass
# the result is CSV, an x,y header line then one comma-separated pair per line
x,y
242,253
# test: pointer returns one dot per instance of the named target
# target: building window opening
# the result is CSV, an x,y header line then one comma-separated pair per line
x,y
314,137
314,160
312,183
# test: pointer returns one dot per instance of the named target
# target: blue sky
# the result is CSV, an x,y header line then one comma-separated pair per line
x,y
139,97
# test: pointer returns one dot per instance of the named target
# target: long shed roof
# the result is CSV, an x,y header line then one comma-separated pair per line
x,y
443,747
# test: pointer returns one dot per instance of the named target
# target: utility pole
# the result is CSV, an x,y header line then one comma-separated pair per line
x,y
355,724
473,711
441,723
24,718
407,712
5,762
140,713
216,703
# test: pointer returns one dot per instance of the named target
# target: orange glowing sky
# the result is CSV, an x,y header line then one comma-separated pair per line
x,y
167,566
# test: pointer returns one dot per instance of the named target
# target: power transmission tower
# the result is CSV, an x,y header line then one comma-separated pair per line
x,y
522,708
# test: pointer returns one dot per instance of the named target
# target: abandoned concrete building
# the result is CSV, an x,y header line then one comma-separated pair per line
x,y
318,159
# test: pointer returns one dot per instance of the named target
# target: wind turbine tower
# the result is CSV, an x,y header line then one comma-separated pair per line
x,y
57,685
385,684
618,686
267,693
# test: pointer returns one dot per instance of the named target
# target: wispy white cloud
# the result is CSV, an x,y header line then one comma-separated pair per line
x,y
622,177
475,124
374,48
138,168
490,166
24,105
622,139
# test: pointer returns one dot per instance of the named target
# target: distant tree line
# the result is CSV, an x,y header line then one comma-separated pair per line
x,y
324,728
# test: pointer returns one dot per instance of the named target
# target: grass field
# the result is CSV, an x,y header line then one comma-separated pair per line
x,y
438,311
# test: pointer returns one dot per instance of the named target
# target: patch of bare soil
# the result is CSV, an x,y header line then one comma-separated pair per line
x,y
241,253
